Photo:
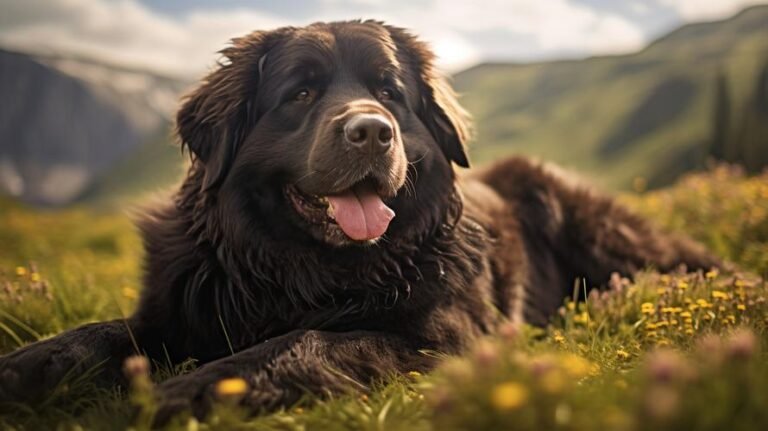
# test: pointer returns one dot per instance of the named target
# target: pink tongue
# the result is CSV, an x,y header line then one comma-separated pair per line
x,y
360,213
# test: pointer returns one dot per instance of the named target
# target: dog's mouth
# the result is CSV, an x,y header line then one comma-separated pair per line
x,y
359,211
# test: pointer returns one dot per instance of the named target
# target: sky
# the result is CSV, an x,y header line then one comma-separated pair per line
x,y
181,37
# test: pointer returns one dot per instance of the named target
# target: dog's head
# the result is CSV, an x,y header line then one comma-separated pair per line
x,y
340,132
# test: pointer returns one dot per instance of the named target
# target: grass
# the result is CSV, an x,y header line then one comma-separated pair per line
x,y
662,351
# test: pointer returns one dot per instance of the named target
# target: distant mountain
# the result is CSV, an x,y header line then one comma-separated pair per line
x,y
699,92
66,122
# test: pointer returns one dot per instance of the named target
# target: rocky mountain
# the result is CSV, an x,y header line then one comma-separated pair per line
x,y
65,122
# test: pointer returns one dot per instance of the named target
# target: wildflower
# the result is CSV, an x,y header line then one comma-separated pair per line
x,y
717,294
136,366
576,366
509,331
558,338
509,396
665,278
741,307
414,374
552,382
685,315
486,354
647,308
623,355
689,331
458,370
136,369
664,365
581,317
682,285
130,293
742,344
21,271
35,277
661,402
231,388
711,274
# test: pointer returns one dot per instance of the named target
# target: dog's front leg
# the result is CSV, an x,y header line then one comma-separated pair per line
x,y
280,371
29,374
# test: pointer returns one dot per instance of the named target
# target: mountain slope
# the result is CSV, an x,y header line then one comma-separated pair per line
x,y
65,122
649,114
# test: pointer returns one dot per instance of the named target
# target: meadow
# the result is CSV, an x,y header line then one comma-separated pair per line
x,y
658,352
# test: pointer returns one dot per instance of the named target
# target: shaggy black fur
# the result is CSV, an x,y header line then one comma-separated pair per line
x,y
306,308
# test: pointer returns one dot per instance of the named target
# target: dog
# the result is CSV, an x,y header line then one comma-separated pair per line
x,y
326,233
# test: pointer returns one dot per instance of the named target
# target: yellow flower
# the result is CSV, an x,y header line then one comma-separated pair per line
x,y
666,279
647,308
35,277
414,374
682,285
509,396
21,271
717,294
581,317
558,337
685,315
661,291
689,331
576,366
130,293
623,355
231,387
552,382
712,274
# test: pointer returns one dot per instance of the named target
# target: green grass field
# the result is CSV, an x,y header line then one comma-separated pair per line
x,y
665,351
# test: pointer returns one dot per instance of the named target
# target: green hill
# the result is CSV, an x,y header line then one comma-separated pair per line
x,y
698,92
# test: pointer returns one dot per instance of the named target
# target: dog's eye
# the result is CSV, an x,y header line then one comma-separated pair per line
x,y
386,93
303,95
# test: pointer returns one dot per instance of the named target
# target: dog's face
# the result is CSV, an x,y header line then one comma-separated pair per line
x,y
341,131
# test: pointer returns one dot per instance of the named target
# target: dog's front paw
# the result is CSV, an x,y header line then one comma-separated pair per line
x,y
33,372
189,394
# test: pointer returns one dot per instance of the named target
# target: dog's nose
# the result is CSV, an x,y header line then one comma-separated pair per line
x,y
371,133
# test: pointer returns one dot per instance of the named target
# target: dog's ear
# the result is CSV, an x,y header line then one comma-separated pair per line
x,y
445,118
215,117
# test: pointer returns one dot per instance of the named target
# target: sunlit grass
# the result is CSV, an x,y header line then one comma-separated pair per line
x,y
659,352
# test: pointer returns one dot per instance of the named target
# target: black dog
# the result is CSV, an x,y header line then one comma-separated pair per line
x,y
322,231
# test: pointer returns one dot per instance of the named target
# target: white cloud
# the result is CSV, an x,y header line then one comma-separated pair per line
x,y
691,10
126,31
